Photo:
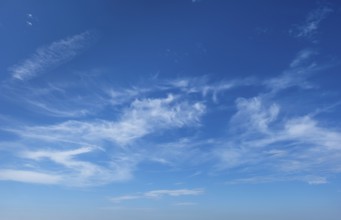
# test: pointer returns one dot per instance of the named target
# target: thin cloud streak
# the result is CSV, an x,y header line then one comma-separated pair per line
x,y
49,57
309,28
157,194
75,172
26,176
300,69
141,118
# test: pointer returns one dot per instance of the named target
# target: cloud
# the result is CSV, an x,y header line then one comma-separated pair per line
x,y
309,28
53,110
302,58
256,180
179,192
316,180
300,69
120,199
203,86
285,146
56,99
253,115
312,180
264,138
123,96
186,124
307,129
141,118
74,172
157,194
51,56
26,176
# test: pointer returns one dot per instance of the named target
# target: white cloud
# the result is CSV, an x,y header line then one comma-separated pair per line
x,y
46,58
255,180
309,28
57,99
29,176
253,115
312,180
202,85
51,110
120,199
296,75
261,136
157,194
178,192
302,58
284,146
316,180
306,129
123,96
141,118
76,172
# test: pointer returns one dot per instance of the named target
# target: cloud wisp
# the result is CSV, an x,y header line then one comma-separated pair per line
x,y
158,194
297,75
309,28
141,118
66,169
27,176
264,142
174,123
51,56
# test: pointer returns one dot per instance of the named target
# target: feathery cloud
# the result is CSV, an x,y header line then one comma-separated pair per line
x,y
51,56
300,69
309,28
75,172
141,118
157,194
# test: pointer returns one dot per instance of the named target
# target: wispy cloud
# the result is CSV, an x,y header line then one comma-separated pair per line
x,y
297,75
164,123
141,118
316,180
203,86
309,28
303,58
312,180
120,199
27,176
56,99
157,194
178,192
51,56
75,172
259,116
278,145
265,139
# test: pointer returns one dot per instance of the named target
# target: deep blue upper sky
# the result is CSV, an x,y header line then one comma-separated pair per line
x,y
173,109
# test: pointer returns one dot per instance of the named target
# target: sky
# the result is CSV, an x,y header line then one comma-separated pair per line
x,y
170,109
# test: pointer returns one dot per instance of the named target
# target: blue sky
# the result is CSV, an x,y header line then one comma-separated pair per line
x,y
181,109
